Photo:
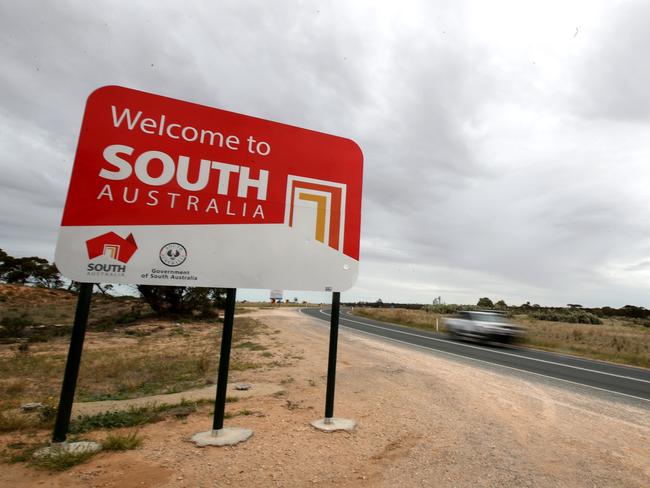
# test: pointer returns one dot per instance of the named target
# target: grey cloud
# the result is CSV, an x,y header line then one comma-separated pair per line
x,y
484,173
613,76
640,266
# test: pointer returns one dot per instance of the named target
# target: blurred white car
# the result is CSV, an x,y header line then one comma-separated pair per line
x,y
483,326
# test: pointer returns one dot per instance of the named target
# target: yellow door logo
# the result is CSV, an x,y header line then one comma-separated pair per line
x,y
316,208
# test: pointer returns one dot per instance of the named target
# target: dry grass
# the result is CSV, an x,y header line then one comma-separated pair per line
x,y
119,366
46,308
420,319
11,420
117,442
614,340
63,461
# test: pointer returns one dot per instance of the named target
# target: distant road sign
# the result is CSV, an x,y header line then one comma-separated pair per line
x,y
167,192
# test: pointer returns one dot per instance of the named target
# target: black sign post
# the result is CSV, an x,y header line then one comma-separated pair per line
x,y
220,435
72,364
331,361
224,360
331,423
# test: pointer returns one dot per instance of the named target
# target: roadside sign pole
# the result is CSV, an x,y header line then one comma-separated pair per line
x,y
331,362
224,361
220,436
330,423
72,364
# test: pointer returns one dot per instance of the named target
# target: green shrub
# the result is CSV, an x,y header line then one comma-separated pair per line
x,y
132,417
62,461
447,309
133,315
47,415
565,315
122,442
110,420
14,326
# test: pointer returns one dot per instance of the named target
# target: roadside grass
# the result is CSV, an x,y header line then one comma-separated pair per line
x,y
62,461
14,420
10,421
40,314
615,340
117,367
116,442
33,372
133,417
130,373
251,345
239,310
136,416
240,413
22,452
419,319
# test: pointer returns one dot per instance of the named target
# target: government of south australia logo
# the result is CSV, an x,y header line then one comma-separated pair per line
x,y
173,254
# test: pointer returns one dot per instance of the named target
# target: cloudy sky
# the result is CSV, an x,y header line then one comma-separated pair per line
x,y
506,143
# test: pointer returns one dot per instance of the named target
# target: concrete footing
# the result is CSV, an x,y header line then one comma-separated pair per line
x,y
228,436
334,423
58,449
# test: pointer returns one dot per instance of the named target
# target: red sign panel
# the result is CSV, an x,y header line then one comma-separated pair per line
x,y
151,172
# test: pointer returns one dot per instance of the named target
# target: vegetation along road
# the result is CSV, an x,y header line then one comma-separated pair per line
x,y
624,382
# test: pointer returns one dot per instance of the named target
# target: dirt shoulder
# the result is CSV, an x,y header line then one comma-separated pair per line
x,y
423,420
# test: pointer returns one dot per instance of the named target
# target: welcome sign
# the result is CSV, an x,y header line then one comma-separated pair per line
x,y
166,192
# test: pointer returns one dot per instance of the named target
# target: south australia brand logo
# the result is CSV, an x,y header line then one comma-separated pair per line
x,y
316,208
112,246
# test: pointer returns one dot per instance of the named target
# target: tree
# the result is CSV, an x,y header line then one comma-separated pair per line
x,y
104,288
183,300
500,305
635,312
46,275
485,302
29,270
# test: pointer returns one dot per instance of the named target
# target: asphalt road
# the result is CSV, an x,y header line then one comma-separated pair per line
x,y
620,381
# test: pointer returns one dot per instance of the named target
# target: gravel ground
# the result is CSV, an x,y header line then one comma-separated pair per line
x,y
423,420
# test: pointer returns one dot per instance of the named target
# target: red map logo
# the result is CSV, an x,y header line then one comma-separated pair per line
x,y
113,246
